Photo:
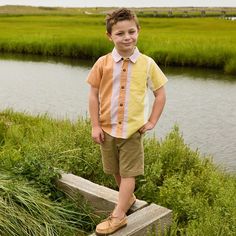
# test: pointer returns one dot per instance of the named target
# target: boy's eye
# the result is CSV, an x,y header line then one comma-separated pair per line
x,y
119,34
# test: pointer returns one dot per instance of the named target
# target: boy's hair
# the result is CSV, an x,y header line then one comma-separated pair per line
x,y
120,15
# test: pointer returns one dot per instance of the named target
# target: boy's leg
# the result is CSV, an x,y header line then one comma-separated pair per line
x,y
118,218
126,190
127,161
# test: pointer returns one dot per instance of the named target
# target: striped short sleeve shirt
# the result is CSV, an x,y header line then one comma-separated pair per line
x,y
123,91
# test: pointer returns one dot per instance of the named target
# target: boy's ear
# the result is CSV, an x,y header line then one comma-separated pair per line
x,y
109,36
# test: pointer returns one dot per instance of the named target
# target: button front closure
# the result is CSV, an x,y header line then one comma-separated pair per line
x,y
122,97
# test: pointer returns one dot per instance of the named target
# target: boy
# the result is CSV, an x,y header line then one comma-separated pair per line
x,y
119,112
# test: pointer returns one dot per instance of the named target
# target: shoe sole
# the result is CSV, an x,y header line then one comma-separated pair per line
x,y
105,234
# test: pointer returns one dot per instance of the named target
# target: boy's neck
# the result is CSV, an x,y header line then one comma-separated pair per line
x,y
126,54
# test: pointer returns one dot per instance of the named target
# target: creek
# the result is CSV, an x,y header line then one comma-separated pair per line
x,y
201,102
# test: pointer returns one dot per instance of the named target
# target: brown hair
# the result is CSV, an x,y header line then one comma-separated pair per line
x,y
120,15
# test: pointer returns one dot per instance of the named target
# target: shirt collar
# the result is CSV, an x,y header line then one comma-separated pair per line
x,y
117,57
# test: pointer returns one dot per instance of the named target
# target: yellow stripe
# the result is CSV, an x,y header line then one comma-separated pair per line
x,y
137,95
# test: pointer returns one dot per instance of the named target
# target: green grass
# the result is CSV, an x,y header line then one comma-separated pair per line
x,y
201,195
26,211
196,42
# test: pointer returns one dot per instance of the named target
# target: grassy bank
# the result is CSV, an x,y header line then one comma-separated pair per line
x,y
31,204
201,196
202,42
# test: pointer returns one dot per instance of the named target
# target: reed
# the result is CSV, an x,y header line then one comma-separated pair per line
x,y
201,42
24,211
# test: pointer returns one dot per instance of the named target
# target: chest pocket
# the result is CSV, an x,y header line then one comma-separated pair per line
x,y
140,77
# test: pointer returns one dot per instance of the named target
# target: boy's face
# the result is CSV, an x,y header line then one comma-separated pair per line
x,y
124,36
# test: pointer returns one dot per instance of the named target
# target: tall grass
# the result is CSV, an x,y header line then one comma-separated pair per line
x,y
201,195
201,42
24,211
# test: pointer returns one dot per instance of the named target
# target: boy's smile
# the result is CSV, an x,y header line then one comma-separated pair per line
x,y
124,36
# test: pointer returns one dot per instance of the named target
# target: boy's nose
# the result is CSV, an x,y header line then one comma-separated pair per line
x,y
127,36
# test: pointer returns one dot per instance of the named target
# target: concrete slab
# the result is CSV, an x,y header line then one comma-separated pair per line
x,y
100,197
144,219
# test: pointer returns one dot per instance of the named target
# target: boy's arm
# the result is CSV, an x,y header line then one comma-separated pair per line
x,y
97,133
157,108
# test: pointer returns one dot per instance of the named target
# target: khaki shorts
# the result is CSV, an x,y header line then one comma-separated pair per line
x,y
123,156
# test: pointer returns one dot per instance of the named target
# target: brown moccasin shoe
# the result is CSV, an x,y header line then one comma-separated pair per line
x,y
110,225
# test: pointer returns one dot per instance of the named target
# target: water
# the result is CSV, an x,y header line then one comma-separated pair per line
x,y
231,18
199,101
44,87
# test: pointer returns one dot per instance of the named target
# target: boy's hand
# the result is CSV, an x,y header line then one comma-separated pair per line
x,y
148,126
97,135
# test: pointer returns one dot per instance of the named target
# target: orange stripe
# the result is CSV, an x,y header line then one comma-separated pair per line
x,y
106,93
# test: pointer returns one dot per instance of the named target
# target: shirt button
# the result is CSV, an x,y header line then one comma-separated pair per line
x,y
120,122
124,70
121,104
122,87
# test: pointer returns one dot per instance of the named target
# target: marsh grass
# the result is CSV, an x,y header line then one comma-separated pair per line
x,y
24,211
200,42
201,195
